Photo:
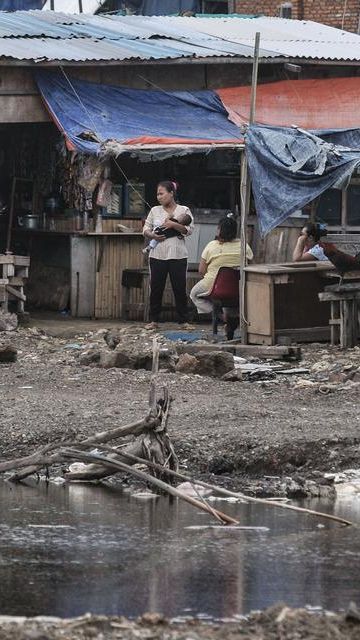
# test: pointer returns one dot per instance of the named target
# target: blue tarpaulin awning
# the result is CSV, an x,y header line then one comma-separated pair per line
x,y
91,114
290,167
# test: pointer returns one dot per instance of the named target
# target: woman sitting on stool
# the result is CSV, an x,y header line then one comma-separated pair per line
x,y
222,252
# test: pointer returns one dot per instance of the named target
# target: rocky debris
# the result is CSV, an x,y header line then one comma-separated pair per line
x,y
279,621
353,614
113,337
346,482
131,357
90,357
8,353
186,363
8,321
236,375
214,364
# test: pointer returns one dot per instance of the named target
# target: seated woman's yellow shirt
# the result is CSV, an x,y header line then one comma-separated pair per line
x,y
222,254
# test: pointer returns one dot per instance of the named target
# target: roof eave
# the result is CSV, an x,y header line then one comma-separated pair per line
x,y
6,61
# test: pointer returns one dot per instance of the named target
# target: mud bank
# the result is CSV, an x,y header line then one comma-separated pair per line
x,y
269,437
276,623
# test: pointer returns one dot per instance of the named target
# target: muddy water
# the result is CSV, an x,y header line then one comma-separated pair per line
x,y
68,550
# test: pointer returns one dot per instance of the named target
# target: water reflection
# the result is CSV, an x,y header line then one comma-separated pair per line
x,y
68,550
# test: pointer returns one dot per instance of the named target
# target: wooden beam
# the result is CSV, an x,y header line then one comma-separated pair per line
x,y
245,350
15,293
245,198
22,108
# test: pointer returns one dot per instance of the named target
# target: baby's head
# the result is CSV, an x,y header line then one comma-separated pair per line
x,y
184,218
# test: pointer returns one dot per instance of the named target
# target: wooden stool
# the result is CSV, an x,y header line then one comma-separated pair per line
x,y
344,322
135,279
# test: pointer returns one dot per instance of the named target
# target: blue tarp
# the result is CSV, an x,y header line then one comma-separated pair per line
x,y
101,112
290,167
21,5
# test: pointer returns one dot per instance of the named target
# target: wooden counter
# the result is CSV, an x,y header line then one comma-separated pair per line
x,y
97,263
80,270
282,302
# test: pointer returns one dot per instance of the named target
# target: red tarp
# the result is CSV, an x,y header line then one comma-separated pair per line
x,y
332,103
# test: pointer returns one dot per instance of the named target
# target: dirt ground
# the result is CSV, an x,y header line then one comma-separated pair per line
x,y
277,623
268,437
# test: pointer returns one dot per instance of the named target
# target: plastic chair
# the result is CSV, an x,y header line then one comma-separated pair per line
x,y
225,294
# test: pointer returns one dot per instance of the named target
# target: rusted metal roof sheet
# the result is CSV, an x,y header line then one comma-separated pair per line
x,y
47,36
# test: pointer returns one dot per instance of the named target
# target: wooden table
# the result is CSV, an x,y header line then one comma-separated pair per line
x,y
282,302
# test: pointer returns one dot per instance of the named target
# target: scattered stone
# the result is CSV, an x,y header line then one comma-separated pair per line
x,y
186,363
353,613
90,357
132,357
8,353
119,359
112,338
214,363
233,376
8,321
152,618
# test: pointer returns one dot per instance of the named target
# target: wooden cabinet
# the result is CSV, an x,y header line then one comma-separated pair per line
x,y
282,302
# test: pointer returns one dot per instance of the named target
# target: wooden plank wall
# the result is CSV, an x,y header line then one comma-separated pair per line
x,y
278,245
118,253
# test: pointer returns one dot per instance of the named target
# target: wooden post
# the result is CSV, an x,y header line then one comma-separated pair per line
x,y
52,8
80,6
245,198
11,216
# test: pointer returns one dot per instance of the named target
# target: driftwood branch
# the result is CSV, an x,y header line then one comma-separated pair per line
x,y
37,460
227,492
155,422
76,454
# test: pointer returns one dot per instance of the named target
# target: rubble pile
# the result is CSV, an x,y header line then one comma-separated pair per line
x,y
276,622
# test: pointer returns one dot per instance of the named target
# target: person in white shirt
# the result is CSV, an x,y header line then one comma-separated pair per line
x,y
308,245
169,256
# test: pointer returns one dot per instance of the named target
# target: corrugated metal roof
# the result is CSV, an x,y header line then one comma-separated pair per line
x,y
79,38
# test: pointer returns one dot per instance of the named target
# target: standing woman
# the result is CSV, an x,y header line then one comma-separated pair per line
x,y
169,257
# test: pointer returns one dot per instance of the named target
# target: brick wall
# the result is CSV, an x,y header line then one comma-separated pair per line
x,y
329,12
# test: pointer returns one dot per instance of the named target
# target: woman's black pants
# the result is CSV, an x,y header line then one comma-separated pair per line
x,y
159,271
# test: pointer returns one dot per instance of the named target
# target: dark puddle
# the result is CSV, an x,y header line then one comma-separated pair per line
x,y
66,550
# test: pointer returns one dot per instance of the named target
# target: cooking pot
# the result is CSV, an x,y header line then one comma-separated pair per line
x,y
28,221
53,204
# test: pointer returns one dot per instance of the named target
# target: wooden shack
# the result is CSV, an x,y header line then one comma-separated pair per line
x,y
77,265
